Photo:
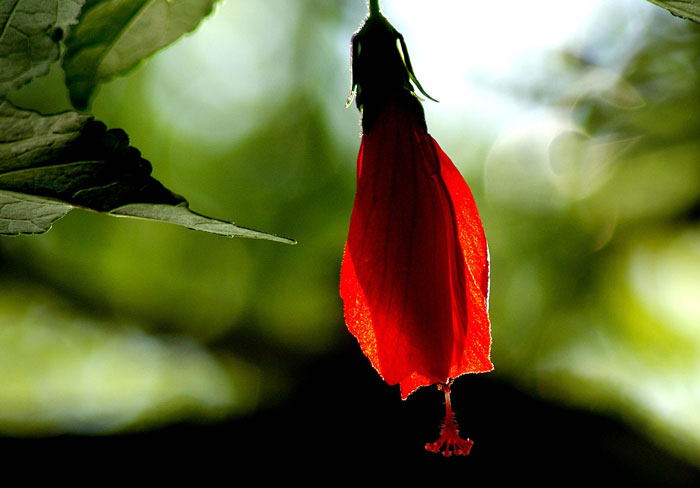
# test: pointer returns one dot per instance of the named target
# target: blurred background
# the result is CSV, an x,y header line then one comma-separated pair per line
x,y
575,124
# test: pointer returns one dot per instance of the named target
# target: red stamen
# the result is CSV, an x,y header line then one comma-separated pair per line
x,y
450,443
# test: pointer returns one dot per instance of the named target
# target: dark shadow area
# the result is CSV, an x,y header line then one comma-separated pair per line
x,y
344,421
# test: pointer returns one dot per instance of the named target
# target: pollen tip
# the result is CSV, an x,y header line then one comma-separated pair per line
x,y
450,443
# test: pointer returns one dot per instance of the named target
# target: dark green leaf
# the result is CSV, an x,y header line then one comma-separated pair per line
x,y
113,36
30,31
51,163
685,9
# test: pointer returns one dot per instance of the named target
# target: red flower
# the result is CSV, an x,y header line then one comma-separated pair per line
x,y
415,274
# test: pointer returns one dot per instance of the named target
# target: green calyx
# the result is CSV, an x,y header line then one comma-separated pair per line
x,y
380,61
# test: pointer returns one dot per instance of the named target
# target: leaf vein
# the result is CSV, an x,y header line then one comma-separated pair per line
x,y
120,33
5,27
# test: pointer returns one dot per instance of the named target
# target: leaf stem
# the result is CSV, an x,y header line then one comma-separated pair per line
x,y
373,7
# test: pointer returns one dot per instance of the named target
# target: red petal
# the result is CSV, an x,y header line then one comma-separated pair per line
x,y
414,280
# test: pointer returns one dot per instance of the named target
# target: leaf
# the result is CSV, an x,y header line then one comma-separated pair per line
x,y
185,217
52,163
25,214
685,9
30,31
114,36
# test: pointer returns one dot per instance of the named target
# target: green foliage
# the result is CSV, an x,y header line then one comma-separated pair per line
x,y
70,160
113,37
30,31
60,367
594,237
242,308
685,9
52,163
25,214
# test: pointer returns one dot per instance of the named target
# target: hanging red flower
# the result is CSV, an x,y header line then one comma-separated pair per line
x,y
415,273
